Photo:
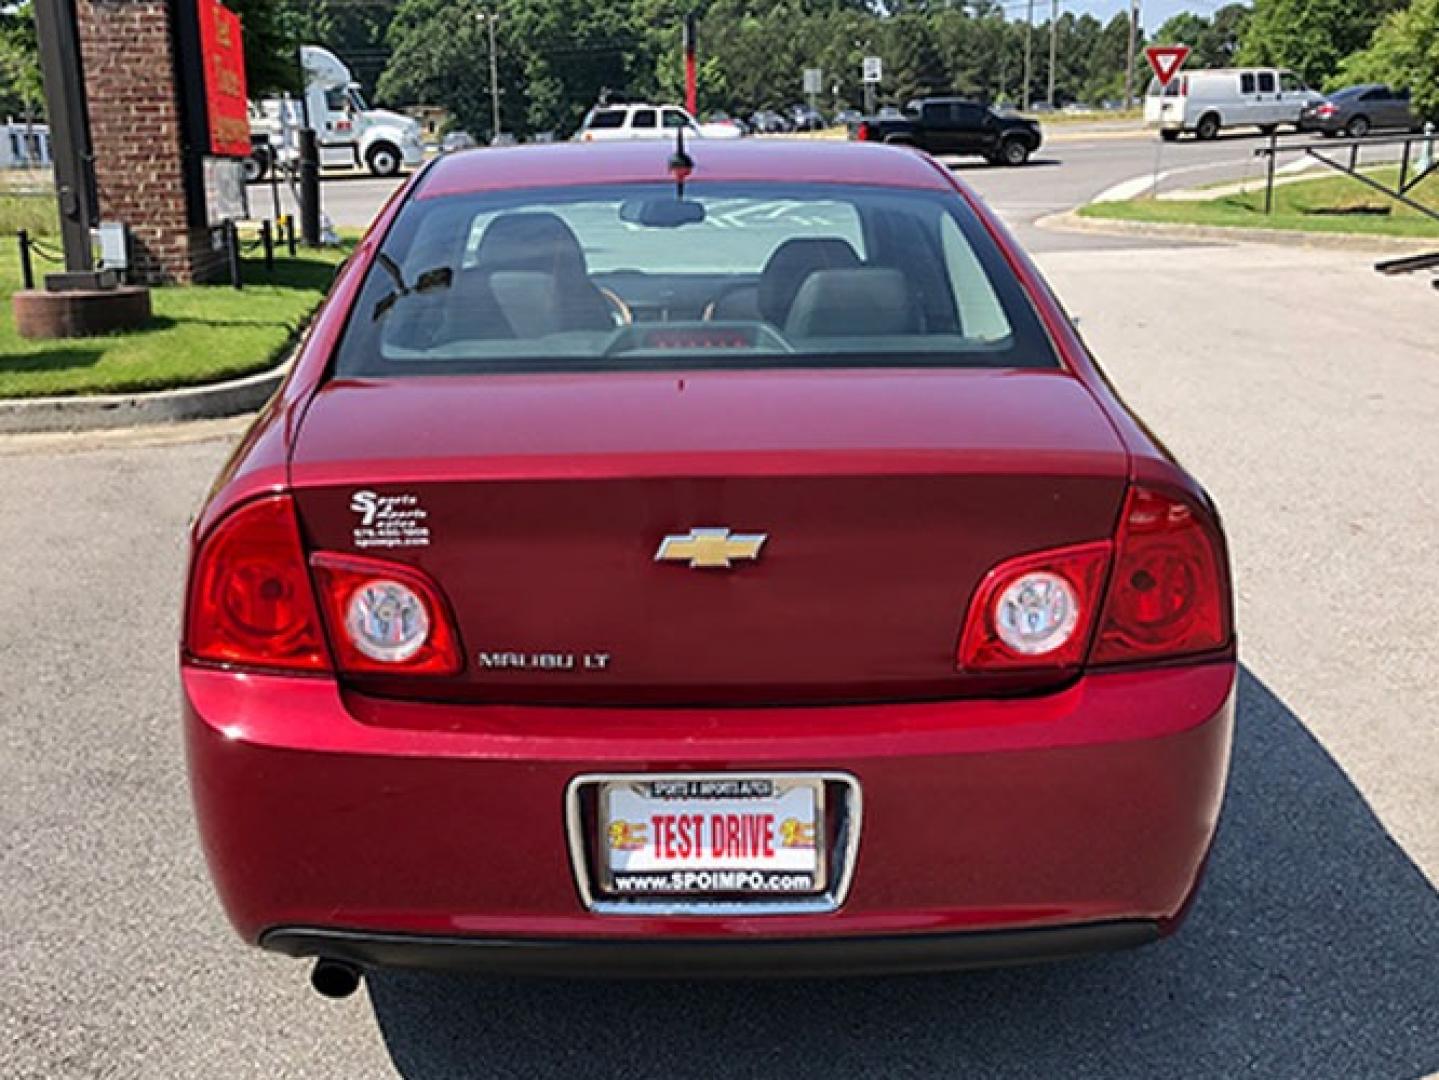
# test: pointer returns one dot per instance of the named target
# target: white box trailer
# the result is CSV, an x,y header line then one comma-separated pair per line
x,y
1207,102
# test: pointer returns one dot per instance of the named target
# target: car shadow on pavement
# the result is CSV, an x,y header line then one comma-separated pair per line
x,y
1313,951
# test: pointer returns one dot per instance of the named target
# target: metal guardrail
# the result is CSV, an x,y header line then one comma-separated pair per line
x,y
1406,184
1409,264
1412,173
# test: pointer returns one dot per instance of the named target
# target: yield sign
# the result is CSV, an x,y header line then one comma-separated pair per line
x,y
1166,60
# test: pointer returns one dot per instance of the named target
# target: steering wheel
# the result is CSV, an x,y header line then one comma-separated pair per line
x,y
708,314
623,315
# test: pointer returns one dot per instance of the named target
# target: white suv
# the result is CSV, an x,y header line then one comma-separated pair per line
x,y
646,122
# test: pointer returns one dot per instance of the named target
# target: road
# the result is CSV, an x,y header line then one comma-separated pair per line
x,y
1072,168
1297,384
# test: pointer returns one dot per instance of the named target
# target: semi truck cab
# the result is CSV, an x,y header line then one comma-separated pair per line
x,y
350,133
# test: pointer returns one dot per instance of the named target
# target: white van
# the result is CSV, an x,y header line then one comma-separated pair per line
x,y
1206,102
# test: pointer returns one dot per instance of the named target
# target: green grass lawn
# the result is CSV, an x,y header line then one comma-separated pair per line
x,y
33,213
1331,204
199,334
1098,116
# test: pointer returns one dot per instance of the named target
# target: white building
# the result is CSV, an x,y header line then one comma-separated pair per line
x,y
24,146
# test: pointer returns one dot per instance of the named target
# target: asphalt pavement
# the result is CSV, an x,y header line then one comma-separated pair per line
x,y
1298,385
1074,166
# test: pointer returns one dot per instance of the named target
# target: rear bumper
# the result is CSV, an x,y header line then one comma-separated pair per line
x,y
333,820
791,958
1164,119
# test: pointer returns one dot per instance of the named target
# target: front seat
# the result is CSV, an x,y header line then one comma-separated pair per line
x,y
790,266
518,250
784,272
872,301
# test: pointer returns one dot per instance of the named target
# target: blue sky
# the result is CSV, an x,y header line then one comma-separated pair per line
x,y
1152,12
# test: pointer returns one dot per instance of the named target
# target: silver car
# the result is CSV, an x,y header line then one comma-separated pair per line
x,y
1357,110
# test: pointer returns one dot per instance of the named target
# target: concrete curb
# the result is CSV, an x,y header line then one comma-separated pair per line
x,y
1060,134
1070,221
102,411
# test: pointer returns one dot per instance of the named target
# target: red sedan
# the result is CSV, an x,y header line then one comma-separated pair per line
x,y
726,562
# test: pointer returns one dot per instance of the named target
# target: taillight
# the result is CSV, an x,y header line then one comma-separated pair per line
x,y
862,133
1167,594
1327,110
385,617
251,604
1036,611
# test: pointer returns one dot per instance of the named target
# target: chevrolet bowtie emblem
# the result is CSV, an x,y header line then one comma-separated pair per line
x,y
710,548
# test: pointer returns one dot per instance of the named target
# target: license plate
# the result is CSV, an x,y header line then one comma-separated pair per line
x,y
712,835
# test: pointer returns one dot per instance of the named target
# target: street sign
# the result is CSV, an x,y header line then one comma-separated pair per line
x,y
1166,60
813,80
226,197
873,69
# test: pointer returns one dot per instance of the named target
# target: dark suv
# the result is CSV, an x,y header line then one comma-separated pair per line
x,y
955,126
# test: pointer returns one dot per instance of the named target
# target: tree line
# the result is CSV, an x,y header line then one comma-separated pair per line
x,y
556,57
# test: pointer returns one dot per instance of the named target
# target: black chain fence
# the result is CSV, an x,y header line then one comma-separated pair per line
x,y
267,236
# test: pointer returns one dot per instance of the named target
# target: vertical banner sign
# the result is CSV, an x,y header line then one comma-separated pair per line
x,y
226,103
691,34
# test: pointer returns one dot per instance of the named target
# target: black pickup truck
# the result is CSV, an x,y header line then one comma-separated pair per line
x,y
954,126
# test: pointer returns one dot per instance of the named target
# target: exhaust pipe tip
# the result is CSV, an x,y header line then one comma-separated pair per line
x,y
335,979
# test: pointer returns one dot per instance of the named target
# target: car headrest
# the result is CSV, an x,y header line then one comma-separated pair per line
x,y
470,312
534,242
791,263
869,301
529,301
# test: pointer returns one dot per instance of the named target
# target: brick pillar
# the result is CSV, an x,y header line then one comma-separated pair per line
x,y
128,53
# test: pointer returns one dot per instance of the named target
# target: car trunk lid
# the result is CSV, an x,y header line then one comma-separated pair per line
x,y
539,504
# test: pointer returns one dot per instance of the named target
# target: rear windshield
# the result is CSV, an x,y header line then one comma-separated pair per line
x,y
742,275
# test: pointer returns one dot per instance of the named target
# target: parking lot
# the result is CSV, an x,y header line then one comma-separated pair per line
x,y
1074,166
1297,384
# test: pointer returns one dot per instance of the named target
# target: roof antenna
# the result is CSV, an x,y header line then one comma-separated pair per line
x,y
681,164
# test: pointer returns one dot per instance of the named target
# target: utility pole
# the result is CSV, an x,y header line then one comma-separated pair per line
x,y
489,18
1028,53
1053,45
1129,55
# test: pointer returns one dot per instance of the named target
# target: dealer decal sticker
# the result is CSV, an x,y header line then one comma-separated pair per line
x,y
628,836
389,521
